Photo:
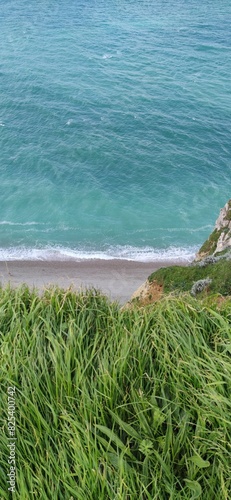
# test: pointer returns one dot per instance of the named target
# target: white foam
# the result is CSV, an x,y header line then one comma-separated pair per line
x,y
9,223
136,254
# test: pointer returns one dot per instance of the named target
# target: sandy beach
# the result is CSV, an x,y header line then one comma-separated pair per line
x,y
116,278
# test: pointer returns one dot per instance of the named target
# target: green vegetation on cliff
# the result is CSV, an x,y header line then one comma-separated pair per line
x,y
112,404
222,229
181,279
209,246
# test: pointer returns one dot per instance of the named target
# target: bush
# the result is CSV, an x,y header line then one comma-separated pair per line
x,y
199,286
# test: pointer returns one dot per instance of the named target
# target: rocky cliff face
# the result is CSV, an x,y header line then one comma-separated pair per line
x,y
146,294
220,239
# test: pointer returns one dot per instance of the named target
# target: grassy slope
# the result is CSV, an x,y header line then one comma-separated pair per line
x,y
177,278
116,404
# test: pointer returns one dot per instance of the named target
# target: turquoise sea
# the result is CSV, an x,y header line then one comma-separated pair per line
x,y
115,122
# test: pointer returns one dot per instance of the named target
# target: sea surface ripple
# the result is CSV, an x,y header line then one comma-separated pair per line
x,y
114,127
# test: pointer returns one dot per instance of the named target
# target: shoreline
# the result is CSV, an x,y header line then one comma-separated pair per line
x,y
118,279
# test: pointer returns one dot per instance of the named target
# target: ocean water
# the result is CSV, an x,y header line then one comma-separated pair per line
x,y
115,122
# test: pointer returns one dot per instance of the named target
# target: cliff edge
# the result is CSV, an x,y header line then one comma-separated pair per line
x,y
208,274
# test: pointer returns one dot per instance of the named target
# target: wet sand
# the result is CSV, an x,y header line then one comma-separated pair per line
x,y
116,278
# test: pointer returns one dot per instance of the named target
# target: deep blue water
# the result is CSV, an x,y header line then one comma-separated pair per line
x,y
115,122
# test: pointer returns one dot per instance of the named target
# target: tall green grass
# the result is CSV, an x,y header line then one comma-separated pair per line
x,y
115,404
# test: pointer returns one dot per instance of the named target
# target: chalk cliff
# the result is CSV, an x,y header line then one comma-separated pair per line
x,y
220,239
